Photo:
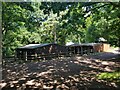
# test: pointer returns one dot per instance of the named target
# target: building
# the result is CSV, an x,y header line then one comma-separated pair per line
x,y
84,48
40,51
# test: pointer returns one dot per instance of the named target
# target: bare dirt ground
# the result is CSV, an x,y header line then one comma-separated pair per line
x,y
68,73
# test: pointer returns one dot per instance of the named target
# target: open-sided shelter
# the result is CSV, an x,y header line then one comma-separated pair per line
x,y
37,51
84,48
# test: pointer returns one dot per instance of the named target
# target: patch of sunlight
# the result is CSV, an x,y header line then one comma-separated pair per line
x,y
107,63
76,62
79,58
31,82
44,73
52,70
2,85
104,63
108,69
14,82
114,84
97,60
86,61
38,84
47,87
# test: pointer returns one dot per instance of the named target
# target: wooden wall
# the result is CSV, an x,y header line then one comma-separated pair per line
x,y
50,50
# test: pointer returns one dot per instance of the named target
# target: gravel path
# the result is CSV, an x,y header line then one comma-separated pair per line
x,y
70,73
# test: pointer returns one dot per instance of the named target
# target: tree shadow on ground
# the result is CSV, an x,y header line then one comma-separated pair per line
x,y
69,73
108,56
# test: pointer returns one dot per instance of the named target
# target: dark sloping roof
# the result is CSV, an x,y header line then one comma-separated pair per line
x,y
89,44
84,44
33,46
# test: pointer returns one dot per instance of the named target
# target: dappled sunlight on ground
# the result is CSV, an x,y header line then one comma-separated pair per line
x,y
69,73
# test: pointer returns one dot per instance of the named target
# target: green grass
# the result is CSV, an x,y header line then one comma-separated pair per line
x,y
112,76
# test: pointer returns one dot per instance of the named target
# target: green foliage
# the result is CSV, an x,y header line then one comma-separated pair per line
x,y
47,22
114,76
107,21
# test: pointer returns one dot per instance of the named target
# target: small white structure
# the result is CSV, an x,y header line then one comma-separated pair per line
x,y
101,39
69,43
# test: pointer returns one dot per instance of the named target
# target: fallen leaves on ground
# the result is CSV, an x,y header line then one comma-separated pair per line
x,y
66,73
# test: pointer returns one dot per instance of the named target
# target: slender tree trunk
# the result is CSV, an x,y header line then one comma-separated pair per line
x,y
54,33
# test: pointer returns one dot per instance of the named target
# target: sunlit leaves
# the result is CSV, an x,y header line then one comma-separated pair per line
x,y
43,22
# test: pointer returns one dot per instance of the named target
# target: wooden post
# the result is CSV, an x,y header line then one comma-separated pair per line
x,y
25,55
81,50
35,55
78,50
